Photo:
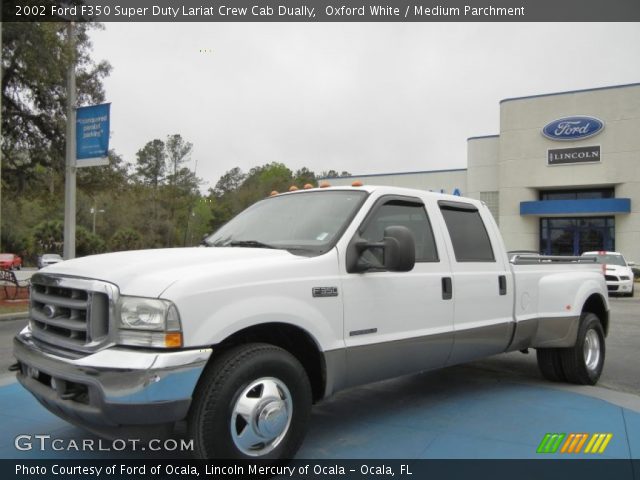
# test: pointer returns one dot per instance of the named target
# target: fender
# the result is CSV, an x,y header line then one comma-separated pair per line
x,y
228,319
564,300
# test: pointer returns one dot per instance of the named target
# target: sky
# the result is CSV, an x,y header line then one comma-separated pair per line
x,y
361,97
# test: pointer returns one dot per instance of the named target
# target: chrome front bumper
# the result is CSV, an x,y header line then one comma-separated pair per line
x,y
113,387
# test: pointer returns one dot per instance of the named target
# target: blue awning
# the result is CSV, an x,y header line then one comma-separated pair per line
x,y
597,206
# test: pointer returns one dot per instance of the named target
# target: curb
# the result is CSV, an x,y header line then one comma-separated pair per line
x,y
14,316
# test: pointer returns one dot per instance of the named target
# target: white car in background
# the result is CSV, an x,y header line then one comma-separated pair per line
x,y
617,272
49,259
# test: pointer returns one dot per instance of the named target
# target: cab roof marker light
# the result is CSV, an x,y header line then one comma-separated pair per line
x,y
307,186
356,183
273,193
324,184
293,188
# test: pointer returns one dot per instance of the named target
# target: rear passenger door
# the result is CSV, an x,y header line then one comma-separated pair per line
x,y
397,322
481,283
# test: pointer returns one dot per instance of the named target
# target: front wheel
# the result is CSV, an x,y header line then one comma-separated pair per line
x,y
253,402
583,363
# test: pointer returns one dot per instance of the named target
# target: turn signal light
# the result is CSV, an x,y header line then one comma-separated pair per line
x,y
173,340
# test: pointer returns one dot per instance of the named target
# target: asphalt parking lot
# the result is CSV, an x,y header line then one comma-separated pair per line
x,y
496,408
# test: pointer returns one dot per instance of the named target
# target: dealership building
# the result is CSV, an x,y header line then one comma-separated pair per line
x,y
562,176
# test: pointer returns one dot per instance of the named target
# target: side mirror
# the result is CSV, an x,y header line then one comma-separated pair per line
x,y
631,264
398,252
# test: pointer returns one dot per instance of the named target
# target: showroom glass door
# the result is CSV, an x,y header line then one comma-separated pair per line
x,y
574,236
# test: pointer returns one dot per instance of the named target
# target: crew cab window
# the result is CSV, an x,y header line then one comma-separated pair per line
x,y
406,214
467,231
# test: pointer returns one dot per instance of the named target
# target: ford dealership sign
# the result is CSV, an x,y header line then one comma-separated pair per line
x,y
572,128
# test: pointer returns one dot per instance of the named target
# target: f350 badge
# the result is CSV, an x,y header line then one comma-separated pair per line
x,y
324,291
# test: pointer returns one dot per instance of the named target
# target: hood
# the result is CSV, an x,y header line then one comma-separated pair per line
x,y
150,272
618,269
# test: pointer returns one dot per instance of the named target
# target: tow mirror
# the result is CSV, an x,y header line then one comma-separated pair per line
x,y
397,248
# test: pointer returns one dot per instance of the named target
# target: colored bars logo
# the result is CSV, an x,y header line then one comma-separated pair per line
x,y
573,443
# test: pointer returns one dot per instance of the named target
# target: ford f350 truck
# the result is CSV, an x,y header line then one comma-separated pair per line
x,y
301,295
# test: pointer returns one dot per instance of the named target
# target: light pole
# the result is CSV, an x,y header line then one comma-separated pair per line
x,y
70,156
94,211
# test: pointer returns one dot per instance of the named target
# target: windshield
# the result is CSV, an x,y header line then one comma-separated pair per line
x,y
303,222
609,259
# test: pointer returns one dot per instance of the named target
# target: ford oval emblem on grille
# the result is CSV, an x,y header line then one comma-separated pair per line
x,y
573,128
50,311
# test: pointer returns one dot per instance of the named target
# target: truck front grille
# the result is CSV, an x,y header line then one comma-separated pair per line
x,y
70,313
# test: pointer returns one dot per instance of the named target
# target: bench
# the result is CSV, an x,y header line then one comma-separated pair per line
x,y
8,279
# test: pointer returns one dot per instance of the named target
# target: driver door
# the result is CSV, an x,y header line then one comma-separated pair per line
x,y
397,322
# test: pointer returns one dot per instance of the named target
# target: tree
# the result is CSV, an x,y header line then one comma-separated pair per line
x,y
48,236
107,178
35,59
151,163
125,239
88,243
178,152
229,182
304,176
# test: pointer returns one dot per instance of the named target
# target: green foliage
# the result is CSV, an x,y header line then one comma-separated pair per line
x,y
125,239
88,243
152,163
48,236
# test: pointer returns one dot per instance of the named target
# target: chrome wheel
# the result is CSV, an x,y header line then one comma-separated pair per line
x,y
591,350
261,416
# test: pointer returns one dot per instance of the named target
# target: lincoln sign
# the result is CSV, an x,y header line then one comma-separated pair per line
x,y
573,155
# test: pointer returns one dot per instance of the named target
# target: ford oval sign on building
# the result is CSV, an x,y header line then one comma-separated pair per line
x,y
573,128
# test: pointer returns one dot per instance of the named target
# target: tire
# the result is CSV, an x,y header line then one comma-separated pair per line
x,y
550,364
583,363
630,294
253,402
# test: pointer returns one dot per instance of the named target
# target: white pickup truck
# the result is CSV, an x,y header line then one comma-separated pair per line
x,y
301,295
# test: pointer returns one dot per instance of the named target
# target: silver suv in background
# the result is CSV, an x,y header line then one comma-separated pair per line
x,y
617,272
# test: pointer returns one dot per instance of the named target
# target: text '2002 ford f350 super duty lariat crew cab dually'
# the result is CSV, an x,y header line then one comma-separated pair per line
x,y
301,295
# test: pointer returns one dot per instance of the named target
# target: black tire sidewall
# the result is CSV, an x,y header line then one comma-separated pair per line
x,y
212,425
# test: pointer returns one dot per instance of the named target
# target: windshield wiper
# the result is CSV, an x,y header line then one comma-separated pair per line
x,y
248,243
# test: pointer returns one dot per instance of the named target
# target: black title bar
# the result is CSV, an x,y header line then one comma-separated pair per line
x,y
322,11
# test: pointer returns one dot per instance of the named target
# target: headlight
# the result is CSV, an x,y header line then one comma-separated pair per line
x,y
148,322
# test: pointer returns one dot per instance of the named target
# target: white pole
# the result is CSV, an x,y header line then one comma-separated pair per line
x,y
70,155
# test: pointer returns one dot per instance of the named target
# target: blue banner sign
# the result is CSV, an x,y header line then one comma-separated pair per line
x,y
572,128
92,135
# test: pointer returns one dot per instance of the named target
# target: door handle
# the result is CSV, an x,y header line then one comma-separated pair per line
x,y
447,288
502,284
